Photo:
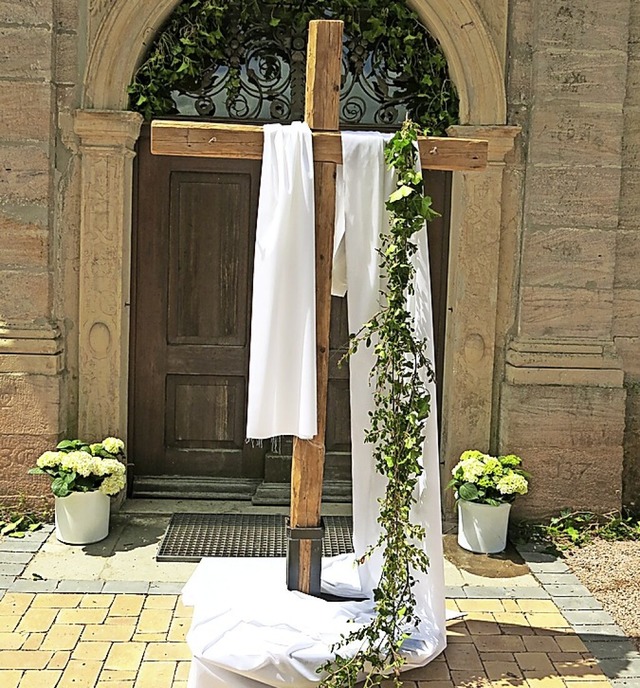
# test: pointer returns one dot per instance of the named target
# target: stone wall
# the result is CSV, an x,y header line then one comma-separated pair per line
x,y
562,398
626,294
567,292
38,73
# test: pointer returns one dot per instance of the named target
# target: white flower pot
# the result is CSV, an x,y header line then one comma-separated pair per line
x,y
482,528
82,518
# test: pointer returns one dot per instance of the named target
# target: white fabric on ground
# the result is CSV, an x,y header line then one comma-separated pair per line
x,y
282,362
248,630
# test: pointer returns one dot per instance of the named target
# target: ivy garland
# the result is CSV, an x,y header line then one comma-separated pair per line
x,y
402,406
201,34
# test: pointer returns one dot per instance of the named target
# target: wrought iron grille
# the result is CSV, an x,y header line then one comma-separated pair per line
x,y
255,72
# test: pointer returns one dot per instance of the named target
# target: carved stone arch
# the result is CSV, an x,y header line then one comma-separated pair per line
x,y
108,132
129,27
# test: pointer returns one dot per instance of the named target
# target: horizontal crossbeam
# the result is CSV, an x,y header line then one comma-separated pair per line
x,y
212,140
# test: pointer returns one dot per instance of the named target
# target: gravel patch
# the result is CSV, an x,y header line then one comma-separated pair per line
x,y
611,571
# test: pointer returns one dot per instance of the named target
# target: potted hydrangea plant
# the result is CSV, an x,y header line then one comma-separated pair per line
x,y
84,477
485,487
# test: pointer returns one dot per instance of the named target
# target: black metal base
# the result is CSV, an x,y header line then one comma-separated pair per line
x,y
294,537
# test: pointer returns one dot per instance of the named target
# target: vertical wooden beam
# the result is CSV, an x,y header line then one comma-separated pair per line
x,y
322,112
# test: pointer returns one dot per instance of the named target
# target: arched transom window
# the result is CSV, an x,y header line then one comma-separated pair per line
x,y
244,60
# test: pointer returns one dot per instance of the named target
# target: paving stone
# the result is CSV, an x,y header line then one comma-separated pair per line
x,y
567,590
8,570
486,592
536,557
122,587
599,631
25,585
588,616
175,589
614,649
625,683
25,545
6,582
39,535
557,578
455,591
83,586
15,557
526,593
621,668
566,603
557,566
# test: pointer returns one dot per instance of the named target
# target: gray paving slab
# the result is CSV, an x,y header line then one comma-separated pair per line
x,y
527,593
25,585
454,591
26,545
81,586
621,668
123,587
11,569
557,578
613,649
557,566
567,590
6,582
587,616
39,535
536,556
15,557
480,591
569,603
165,588
625,682
598,631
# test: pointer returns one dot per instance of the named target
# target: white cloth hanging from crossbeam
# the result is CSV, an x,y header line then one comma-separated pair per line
x,y
282,360
367,185
248,630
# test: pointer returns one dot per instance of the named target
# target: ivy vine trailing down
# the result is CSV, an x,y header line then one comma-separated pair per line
x,y
402,406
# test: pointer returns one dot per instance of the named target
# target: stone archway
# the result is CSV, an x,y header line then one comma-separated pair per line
x,y
107,134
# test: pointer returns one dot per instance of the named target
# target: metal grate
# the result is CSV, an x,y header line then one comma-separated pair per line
x,y
190,537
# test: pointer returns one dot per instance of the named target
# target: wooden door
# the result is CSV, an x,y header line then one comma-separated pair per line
x,y
192,267
191,296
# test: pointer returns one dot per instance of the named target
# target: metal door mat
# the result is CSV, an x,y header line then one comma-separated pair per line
x,y
190,537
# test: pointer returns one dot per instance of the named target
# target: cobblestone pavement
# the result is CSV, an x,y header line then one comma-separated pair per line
x,y
131,634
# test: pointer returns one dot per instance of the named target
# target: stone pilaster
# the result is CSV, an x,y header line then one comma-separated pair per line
x,y
107,141
562,400
476,220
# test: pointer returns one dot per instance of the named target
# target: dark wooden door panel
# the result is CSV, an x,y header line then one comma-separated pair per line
x,y
209,254
193,261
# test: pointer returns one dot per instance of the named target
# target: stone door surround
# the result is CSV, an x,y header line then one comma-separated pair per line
x,y
107,133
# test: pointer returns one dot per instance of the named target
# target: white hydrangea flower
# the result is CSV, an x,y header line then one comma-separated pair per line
x,y
113,467
472,469
112,484
50,459
512,483
79,461
113,445
492,466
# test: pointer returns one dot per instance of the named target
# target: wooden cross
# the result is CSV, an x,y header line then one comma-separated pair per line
x,y
322,108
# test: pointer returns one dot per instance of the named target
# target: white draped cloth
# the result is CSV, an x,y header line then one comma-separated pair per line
x,y
282,358
248,630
